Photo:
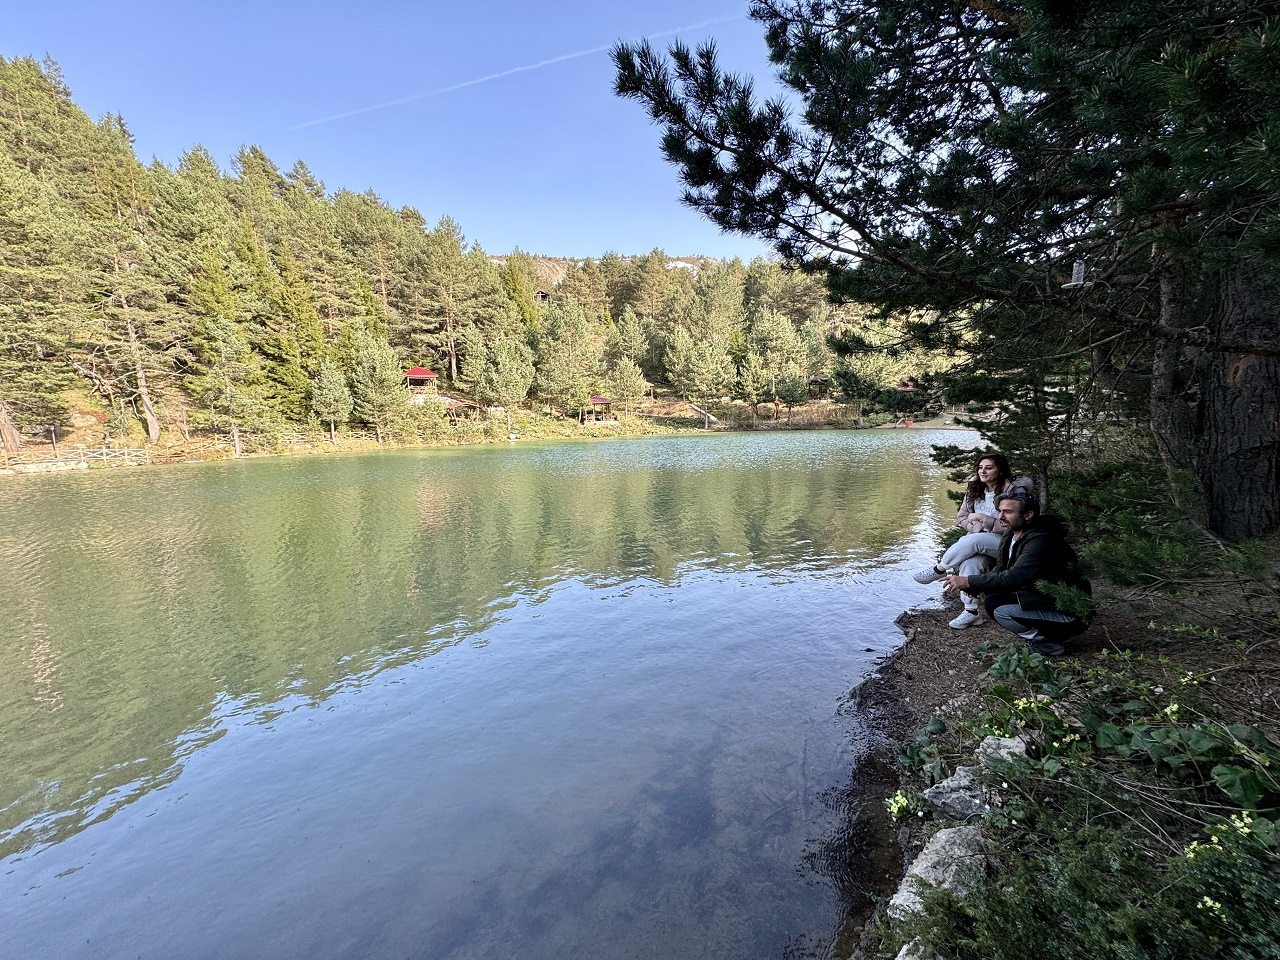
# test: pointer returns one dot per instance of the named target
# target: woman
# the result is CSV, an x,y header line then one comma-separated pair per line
x,y
977,550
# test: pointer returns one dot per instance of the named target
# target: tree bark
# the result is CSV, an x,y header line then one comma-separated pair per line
x,y
1240,469
144,392
10,438
452,347
1175,429
1173,424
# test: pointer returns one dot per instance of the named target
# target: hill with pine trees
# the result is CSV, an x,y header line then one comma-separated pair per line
x,y
150,303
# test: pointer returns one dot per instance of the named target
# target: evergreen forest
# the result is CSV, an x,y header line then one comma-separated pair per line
x,y
147,303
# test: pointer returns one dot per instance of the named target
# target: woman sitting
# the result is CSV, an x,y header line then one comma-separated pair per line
x,y
977,550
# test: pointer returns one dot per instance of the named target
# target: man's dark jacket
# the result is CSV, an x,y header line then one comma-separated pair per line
x,y
1041,553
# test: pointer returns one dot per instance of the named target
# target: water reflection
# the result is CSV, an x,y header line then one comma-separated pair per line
x,y
149,615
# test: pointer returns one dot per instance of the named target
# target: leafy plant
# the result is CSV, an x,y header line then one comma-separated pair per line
x,y
1137,825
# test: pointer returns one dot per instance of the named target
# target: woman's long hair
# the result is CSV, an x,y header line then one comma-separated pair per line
x,y
977,490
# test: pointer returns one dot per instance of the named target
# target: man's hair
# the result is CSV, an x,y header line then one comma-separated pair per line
x,y
1028,502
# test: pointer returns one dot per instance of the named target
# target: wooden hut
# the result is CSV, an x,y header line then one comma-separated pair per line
x,y
455,408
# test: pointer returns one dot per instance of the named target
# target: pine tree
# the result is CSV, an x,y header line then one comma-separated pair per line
x,y
773,338
754,384
520,282
295,305
625,383
138,327
383,247
377,387
792,390
45,282
584,284
226,374
768,286
459,289
570,350
331,401
331,274
698,370
505,379
953,162
628,340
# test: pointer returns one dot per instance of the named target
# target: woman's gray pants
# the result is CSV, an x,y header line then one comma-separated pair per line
x,y
972,554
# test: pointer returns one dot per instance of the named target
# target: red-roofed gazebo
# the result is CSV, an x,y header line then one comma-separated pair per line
x,y
601,409
421,380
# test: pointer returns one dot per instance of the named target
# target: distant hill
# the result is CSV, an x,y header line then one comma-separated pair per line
x,y
551,270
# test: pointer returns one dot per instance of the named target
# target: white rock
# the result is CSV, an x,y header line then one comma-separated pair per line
x,y
914,950
53,467
1001,748
951,860
960,796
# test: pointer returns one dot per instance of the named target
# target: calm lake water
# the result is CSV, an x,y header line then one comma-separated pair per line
x,y
544,701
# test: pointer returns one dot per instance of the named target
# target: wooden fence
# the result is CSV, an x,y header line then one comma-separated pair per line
x,y
106,456
304,439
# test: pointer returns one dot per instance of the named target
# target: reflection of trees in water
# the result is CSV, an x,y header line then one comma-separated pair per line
x,y
279,583
650,523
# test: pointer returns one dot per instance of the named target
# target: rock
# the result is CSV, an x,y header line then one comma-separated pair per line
x,y
1001,749
961,796
915,950
951,860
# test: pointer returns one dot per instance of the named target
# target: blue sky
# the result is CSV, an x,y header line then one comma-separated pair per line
x,y
547,158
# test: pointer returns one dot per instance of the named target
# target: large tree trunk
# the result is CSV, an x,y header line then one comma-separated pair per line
x,y
453,349
1172,421
10,438
144,392
1240,469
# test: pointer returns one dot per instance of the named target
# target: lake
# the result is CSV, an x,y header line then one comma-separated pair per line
x,y
537,701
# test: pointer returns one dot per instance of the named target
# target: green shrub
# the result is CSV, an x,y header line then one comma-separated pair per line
x,y
1138,826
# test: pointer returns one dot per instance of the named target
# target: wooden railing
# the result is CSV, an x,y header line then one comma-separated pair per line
x,y
301,439
109,456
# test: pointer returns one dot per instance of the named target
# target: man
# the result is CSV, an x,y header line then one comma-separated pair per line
x,y
1034,548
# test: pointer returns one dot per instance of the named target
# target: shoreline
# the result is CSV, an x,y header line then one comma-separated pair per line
x,y
928,673
79,458
934,674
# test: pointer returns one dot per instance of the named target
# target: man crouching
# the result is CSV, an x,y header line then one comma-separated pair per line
x,y
1033,549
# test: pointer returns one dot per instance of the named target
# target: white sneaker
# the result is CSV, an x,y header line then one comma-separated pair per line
x,y
930,575
967,618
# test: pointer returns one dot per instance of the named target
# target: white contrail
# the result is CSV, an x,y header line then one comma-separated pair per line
x,y
506,73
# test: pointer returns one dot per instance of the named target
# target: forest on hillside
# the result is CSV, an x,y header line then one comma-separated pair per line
x,y
161,301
